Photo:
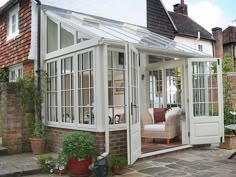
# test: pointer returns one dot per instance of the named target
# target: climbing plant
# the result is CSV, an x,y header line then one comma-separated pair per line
x,y
228,90
4,74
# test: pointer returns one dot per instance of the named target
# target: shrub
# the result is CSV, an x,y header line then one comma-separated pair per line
x,y
79,145
118,161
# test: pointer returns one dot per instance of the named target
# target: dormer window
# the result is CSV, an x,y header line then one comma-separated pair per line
x,y
13,23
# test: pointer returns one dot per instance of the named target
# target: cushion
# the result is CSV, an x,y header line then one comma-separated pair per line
x,y
173,111
155,127
159,114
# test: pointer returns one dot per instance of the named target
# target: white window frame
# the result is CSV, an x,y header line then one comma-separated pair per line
x,y
121,126
16,68
200,47
14,12
75,125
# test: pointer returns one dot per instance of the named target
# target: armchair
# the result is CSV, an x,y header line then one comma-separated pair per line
x,y
164,130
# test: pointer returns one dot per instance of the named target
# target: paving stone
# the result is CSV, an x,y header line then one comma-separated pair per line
x,y
185,163
166,160
174,166
205,174
189,170
153,170
200,167
140,166
171,173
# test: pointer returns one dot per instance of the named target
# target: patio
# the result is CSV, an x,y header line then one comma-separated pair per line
x,y
196,162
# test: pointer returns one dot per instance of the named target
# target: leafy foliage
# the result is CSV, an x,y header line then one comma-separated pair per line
x,y
30,100
79,145
4,75
46,163
228,90
0,124
118,161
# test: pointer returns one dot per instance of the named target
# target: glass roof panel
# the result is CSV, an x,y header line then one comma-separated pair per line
x,y
116,30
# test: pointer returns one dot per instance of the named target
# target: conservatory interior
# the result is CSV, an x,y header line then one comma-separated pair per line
x,y
106,75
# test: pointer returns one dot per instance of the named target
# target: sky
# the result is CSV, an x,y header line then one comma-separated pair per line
x,y
208,13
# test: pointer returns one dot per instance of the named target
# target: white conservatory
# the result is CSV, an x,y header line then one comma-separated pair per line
x,y
103,74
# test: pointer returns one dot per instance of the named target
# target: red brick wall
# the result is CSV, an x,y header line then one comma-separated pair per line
x,y
118,140
16,50
28,67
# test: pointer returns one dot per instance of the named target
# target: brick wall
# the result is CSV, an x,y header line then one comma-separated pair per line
x,y
28,67
15,130
218,47
229,34
16,50
118,140
229,49
232,78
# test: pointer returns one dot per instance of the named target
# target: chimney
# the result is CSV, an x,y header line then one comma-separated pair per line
x,y
218,47
181,8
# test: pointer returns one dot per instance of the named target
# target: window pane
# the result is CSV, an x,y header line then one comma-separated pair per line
x,y
85,85
52,36
205,91
67,36
116,87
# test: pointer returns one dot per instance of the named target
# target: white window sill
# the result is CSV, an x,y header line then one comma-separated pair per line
x,y
13,37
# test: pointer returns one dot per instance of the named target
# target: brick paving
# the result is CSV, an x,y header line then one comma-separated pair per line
x,y
199,162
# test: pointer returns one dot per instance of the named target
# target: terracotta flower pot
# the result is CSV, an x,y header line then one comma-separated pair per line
x,y
116,170
60,172
79,168
230,142
37,145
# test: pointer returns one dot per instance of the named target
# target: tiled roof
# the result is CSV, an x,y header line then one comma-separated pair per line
x,y
187,27
229,34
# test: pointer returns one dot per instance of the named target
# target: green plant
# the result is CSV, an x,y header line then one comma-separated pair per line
x,y
118,161
227,92
30,100
4,74
46,162
0,124
79,145
61,161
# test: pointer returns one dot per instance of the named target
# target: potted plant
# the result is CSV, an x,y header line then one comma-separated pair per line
x,y
117,163
46,162
230,138
37,138
30,101
61,163
79,148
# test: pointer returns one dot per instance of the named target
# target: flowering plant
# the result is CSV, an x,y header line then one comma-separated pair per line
x,y
48,164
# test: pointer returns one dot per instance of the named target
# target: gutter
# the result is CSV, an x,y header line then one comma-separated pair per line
x,y
38,71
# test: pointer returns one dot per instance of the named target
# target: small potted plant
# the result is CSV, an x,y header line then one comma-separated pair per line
x,y
61,163
46,162
117,163
79,148
37,137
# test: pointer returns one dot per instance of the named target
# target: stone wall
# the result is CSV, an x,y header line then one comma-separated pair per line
x,y
15,129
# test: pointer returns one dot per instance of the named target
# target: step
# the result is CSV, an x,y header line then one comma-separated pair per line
x,y
3,150
17,165
21,173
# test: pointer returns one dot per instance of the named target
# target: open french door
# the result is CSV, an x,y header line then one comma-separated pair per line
x,y
133,129
205,101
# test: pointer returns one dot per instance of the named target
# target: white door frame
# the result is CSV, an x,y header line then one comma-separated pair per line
x,y
184,85
206,129
133,105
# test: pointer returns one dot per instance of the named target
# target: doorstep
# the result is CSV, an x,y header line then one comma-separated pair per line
x,y
19,165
